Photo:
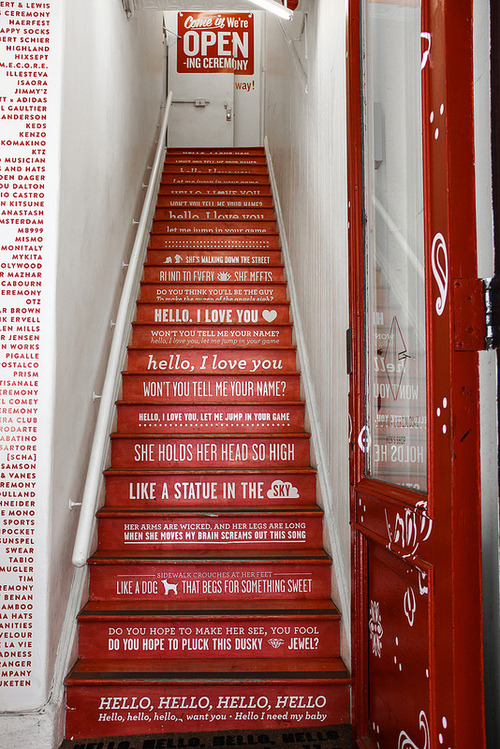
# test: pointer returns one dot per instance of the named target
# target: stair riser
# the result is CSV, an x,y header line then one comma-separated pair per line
x,y
226,191
134,535
188,275
196,201
203,419
214,293
215,214
205,336
221,167
214,160
209,581
222,151
214,227
207,250
95,710
254,362
215,490
232,452
160,254
237,180
216,637
212,314
210,388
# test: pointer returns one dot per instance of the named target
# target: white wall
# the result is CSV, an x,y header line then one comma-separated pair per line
x,y
107,84
306,134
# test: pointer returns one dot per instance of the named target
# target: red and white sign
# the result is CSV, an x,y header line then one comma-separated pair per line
x,y
216,43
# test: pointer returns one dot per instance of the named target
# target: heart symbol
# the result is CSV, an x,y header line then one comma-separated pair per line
x,y
269,315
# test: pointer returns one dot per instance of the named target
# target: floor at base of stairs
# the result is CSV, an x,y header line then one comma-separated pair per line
x,y
325,737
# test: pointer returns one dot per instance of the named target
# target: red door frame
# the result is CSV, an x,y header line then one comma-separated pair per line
x,y
452,552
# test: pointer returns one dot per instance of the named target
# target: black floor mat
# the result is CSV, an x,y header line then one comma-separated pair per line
x,y
326,737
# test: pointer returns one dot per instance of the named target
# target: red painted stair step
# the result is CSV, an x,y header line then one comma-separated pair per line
x,y
214,214
213,292
248,575
203,336
212,275
213,361
213,168
210,388
175,260
265,629
228,178
222,418
214,530
150,489
228,191
240,245
214,201
143,697
223,227
184,452
217,150
206,161
193,313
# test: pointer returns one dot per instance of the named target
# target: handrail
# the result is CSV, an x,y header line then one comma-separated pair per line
x,y
116,358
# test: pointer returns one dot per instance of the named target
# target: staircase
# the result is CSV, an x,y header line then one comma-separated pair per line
x,y
209,604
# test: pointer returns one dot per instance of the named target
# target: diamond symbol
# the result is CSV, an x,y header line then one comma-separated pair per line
x,y
395,358
276,643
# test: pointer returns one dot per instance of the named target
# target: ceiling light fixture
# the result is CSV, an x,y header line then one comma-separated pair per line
x,y
274,7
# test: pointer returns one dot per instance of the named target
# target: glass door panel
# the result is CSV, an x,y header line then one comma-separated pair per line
x,y
396,433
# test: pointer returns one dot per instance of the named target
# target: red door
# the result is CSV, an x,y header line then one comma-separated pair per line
x,y
415,507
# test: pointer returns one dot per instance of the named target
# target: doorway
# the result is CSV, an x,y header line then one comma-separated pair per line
x,y
415,505
215,73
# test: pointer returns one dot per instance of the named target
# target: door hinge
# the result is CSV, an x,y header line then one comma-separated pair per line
x,y
476,305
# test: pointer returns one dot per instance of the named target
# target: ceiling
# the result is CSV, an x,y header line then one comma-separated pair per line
x,y
198,5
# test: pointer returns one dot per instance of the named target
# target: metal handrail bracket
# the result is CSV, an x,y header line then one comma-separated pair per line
x,y
100,444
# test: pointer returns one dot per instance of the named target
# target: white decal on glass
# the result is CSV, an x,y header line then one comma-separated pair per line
x,y
439,260
406,743
364,439
376,629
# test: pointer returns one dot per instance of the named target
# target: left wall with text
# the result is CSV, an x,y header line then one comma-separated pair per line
x,y
92,81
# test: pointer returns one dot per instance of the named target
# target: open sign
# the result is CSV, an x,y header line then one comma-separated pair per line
x,y
216,43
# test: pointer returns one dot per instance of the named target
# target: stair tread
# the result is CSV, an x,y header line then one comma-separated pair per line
x,y
194,670
212,402
242,608
263,303
211,510
234,349
290,556
199,472
210,435
197,375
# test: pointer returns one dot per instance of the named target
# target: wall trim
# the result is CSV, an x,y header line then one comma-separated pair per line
x,y
317,441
